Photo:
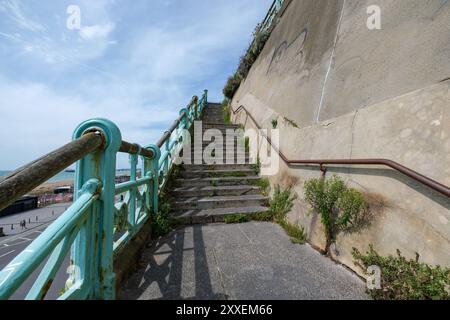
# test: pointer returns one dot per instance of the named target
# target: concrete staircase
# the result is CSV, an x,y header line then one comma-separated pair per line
x,y
204,260
208,193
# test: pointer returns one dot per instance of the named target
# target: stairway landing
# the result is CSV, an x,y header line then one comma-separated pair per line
x,y
250,261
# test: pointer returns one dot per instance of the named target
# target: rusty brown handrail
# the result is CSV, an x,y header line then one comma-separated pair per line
x,y
433,184
168,133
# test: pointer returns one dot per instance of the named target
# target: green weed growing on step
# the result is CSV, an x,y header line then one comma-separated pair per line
x,y
263,184
163,222
236,218
340,207
263,216
296,233
256,166
280,205
247,145
226,111
226,174
403,279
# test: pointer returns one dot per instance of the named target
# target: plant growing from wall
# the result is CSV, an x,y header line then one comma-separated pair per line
x,y
274,123
232,86
246,62
403,279
339,206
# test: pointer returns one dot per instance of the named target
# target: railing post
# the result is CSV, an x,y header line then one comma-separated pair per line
x,y
151,168
132,208
196,108
167,160
92,252
185,121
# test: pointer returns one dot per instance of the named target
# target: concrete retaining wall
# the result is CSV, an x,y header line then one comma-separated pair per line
x,y
357,93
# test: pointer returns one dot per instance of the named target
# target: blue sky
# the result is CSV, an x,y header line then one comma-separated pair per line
x,y
134,62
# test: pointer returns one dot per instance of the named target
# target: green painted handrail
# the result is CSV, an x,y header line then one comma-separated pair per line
x,y
96,227
271,14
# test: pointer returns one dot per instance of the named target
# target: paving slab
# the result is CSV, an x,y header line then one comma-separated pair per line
x,y
250,261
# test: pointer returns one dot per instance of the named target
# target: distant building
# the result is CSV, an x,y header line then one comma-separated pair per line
x,y
23,204
63,190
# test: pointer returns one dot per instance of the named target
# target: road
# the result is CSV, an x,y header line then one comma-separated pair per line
x,y
17,239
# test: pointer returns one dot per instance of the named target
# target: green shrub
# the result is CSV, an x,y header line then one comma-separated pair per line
x,y
339,207
232,86
403,279
246,62
237,218
351,205
281,203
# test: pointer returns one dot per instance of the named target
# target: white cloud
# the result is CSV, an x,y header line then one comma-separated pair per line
x,y
13,9
154,70
36,120
96,32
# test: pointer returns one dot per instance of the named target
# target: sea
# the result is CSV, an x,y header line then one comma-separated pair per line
x,y
66,175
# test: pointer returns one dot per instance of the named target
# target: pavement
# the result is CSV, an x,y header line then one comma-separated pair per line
x,y
250,261
18,239
33,219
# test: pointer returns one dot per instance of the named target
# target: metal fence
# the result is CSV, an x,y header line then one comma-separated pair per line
x,y
95,227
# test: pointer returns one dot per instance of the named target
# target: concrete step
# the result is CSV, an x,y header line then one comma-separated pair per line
x,y
210,191
216,166
236,158
188,217
225,143
207,125
218,173
212,113
217,116
202,203
221,181
224,162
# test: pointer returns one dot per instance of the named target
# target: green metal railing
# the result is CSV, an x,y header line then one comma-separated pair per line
x,y
95,227
271,14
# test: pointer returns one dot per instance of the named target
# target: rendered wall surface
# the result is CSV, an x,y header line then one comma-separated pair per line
x,y
382,95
